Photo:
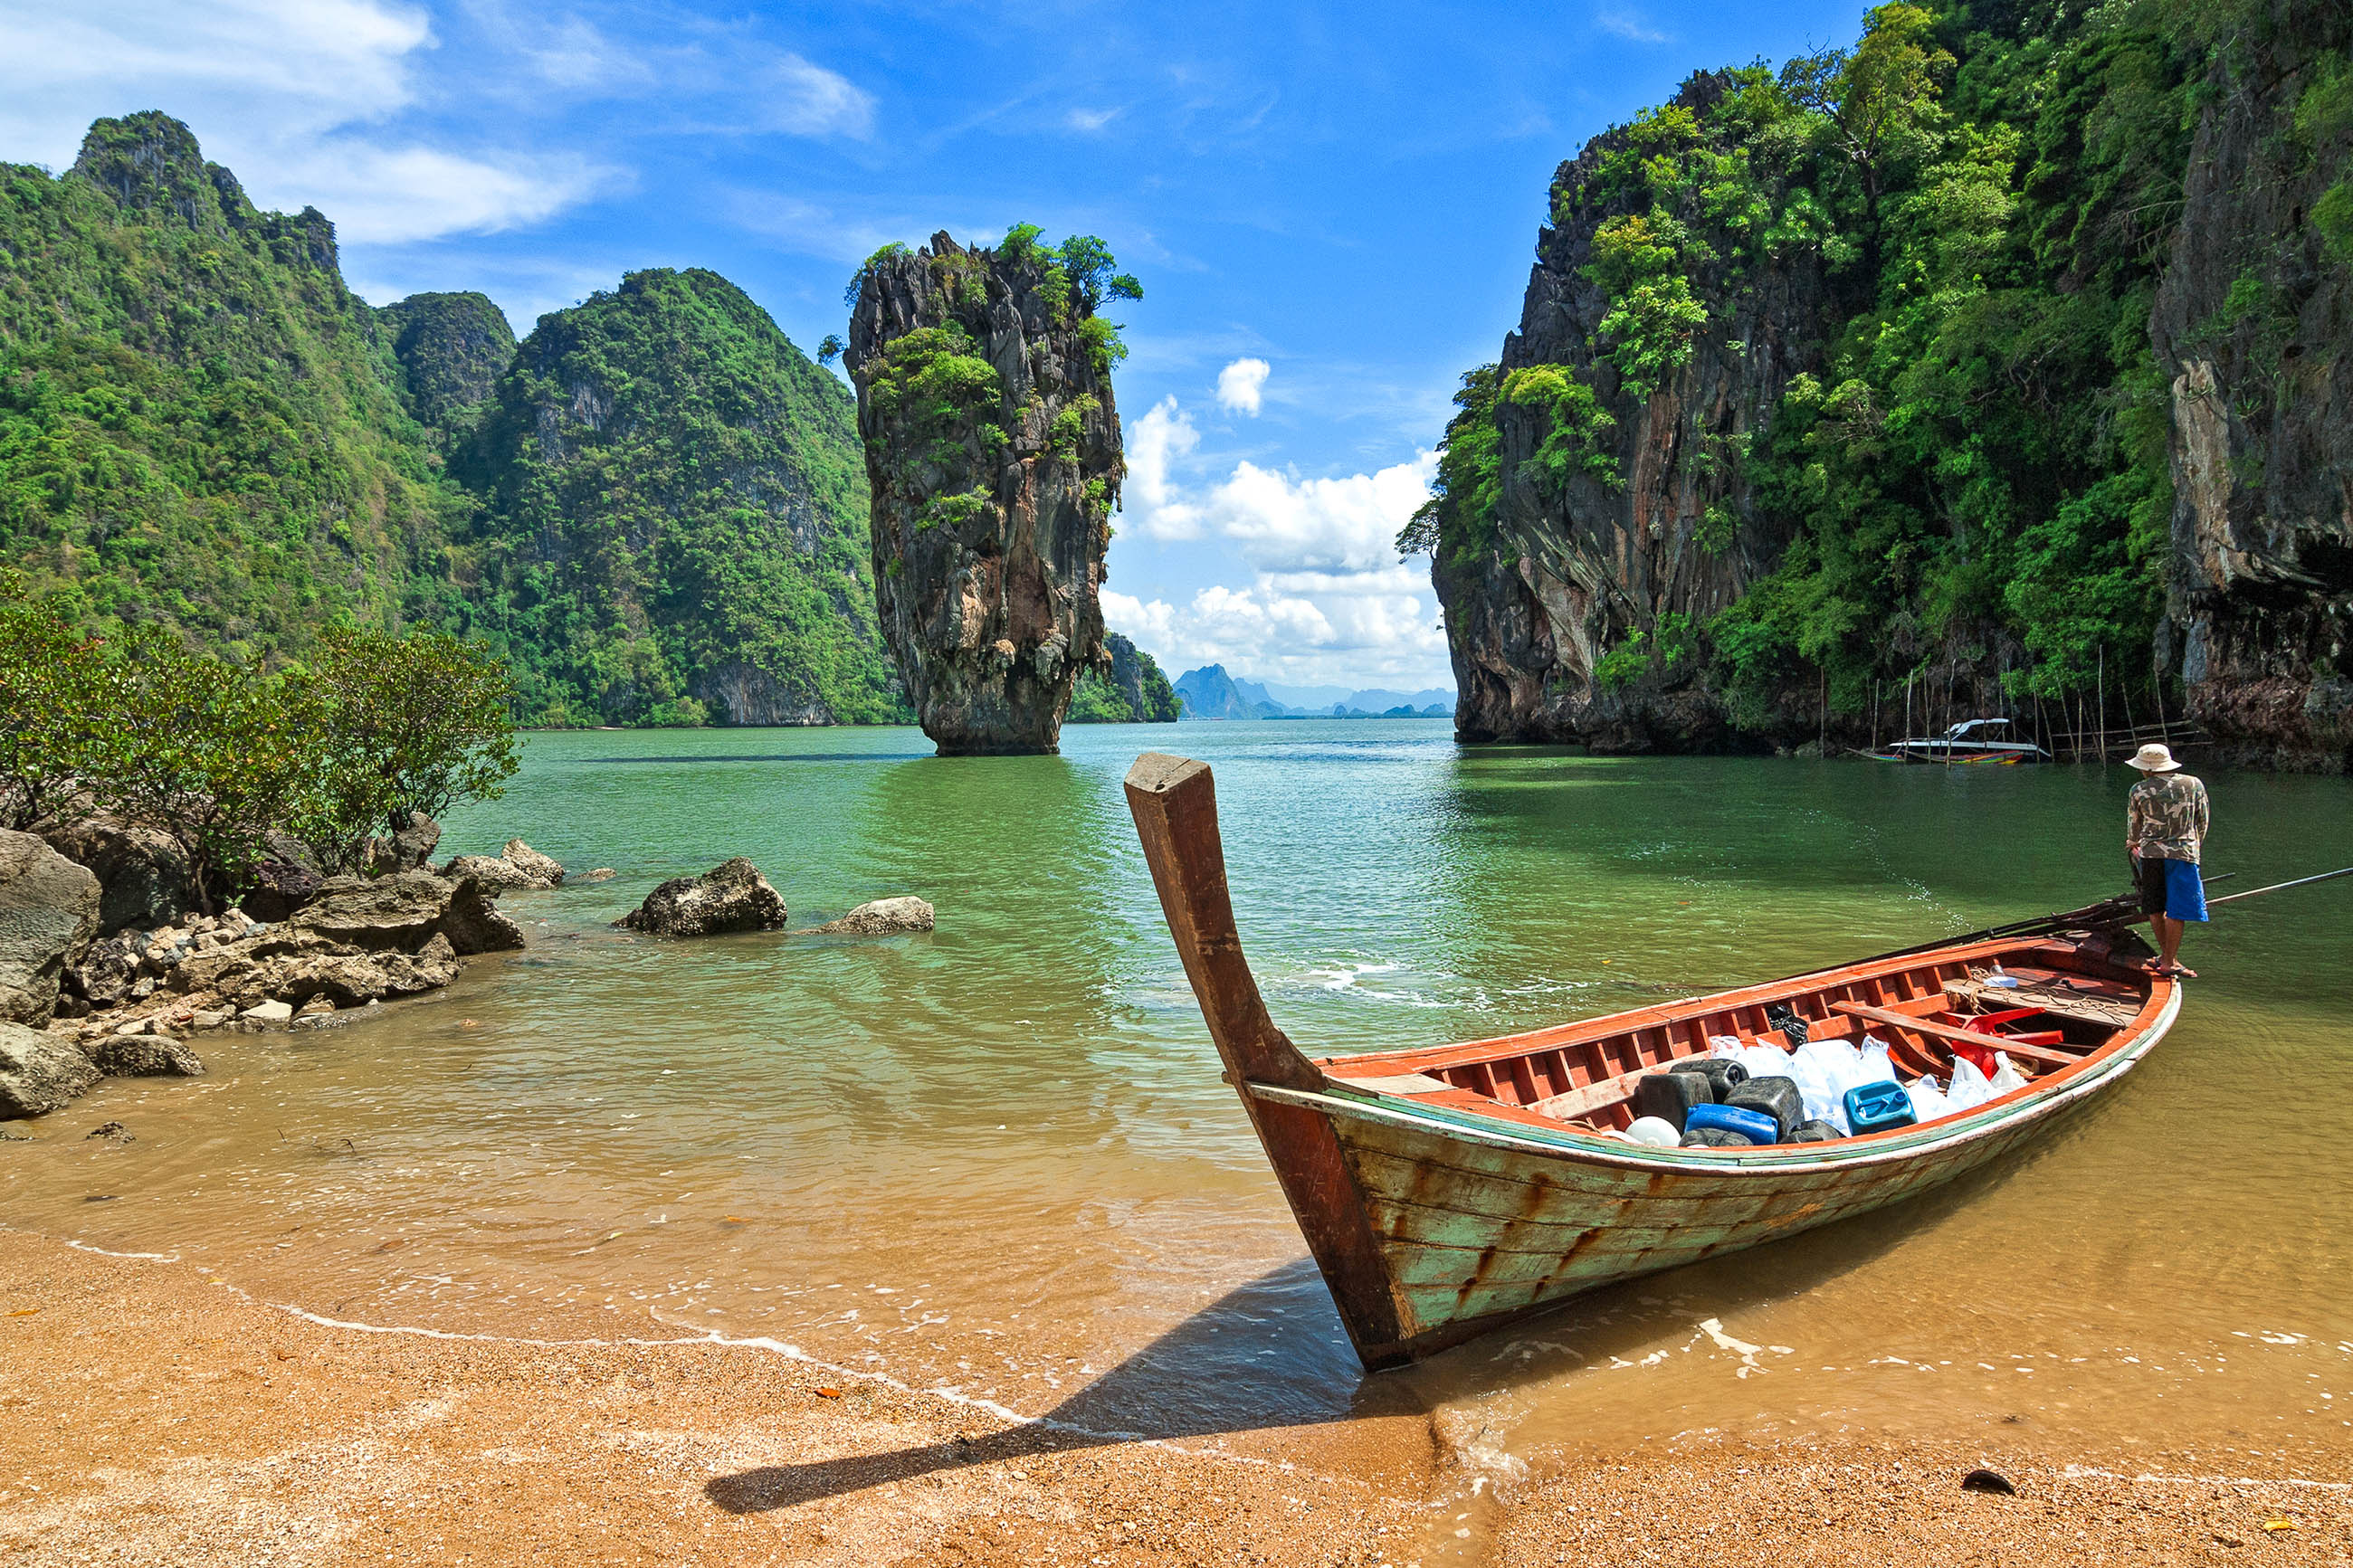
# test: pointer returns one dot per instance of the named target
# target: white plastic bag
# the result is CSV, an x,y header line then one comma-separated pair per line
x,y
1928,1102
1824,1070
1871,1065
1969,1088
2006,1077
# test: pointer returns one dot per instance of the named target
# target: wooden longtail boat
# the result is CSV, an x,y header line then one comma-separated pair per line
x,y
1446,1192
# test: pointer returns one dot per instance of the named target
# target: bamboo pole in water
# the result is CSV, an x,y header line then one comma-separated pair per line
x,y
2103,679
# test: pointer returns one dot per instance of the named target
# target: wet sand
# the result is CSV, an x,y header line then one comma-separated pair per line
x,y
151,1412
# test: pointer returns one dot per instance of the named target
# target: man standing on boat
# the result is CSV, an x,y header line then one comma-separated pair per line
x,y
2164,823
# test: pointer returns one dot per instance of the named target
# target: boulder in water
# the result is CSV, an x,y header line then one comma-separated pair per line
x,y
143,1056
543,870
403,913
729,897
39,1072
48,914
883,917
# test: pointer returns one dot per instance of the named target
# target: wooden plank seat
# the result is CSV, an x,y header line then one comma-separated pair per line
x,y
2046,1055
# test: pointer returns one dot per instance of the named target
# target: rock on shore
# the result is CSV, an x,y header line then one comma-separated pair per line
x,y
520,867
39,1072
729,897
48,914
883,917
142,874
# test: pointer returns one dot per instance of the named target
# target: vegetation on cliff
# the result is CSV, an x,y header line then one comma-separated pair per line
x,y
652,510
199,423
1132,690
672,529
1946,240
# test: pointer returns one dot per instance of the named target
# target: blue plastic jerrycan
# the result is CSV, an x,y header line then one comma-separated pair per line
x,y
1876,1107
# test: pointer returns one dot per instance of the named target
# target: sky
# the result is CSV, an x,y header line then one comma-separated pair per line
x,y
1332,209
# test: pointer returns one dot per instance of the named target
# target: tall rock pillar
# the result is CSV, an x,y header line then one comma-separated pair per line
x,y
993,454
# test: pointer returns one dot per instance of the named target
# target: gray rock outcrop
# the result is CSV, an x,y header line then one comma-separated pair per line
x,y
143,873
49,915
731,897
410,849
2254,329
1653,516
142,1056
519,868
993,456
883,917
403,913
39,1072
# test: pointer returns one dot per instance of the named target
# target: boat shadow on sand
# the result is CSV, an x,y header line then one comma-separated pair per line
x,y
1271,1356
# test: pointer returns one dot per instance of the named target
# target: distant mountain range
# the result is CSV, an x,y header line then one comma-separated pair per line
x,y
1211,693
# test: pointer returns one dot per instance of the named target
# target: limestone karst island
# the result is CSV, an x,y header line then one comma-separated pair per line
x,y
1358,787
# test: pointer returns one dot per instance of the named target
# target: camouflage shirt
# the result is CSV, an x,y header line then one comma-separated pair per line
x,y
2165,817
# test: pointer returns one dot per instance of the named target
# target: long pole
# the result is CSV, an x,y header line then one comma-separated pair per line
x,y
2275,887
2103,703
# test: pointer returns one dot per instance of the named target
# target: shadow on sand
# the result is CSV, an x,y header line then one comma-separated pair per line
x,y
1271,1354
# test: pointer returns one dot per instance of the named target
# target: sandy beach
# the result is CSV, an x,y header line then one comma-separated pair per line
x,y
155,1413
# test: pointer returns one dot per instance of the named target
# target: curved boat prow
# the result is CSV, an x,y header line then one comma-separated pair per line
x,y
1174,804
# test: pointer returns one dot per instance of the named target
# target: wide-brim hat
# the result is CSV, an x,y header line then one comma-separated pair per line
x,y
2153,759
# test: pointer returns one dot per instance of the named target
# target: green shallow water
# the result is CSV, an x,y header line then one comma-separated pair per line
x,y
998,1159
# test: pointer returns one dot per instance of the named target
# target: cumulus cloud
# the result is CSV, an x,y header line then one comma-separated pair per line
x,y
285,92
1328,599
1241,384
1151,500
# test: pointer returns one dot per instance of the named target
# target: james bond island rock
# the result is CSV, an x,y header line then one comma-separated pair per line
x,y
731,897
2254,332
994,462
2000,360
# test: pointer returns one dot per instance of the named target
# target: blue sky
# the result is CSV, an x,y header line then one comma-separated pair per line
x,y
1332,207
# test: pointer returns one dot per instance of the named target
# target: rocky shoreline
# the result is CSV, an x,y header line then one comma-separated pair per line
x,y
83,996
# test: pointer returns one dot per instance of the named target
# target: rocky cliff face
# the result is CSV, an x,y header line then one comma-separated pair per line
x,y
452,349
2253,327
673,529
1623,493
992,459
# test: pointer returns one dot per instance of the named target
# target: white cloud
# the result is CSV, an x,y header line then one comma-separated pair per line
x,y
1346,524
405,194
1150,500
281,91
1092,120
1241,386
1328,599
1628,26
804,100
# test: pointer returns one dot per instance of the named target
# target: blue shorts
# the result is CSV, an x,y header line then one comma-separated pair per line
x,y
2172,888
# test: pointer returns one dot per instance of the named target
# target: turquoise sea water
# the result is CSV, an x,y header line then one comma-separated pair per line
x,y
998,1159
